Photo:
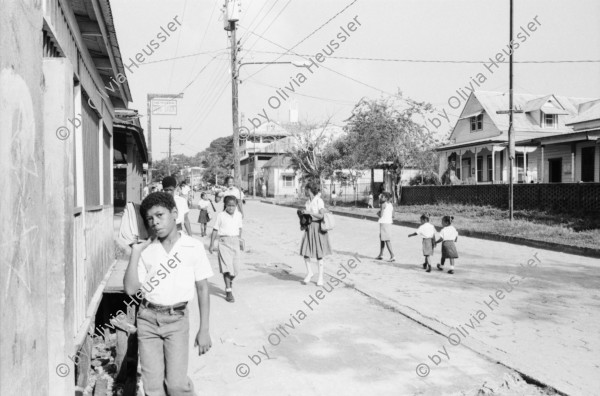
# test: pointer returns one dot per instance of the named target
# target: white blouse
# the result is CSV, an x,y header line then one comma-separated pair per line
x,y
313,206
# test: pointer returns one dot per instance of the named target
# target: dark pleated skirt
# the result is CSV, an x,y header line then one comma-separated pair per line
x,y
315,244
427,246
203,217
449,250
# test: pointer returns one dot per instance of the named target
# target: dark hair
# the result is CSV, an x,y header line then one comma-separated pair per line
x,y
202,195
163,199
182,183
447,219
425,216
227,179
230,198
169,181
313,187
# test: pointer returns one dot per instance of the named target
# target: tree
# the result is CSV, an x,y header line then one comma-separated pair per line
x,y
217,159
342,163
384,131
308,150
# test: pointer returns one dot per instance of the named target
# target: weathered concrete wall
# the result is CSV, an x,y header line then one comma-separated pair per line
x,y
59,194
23,272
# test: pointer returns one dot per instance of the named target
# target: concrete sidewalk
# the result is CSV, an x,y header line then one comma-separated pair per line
x,y
545,327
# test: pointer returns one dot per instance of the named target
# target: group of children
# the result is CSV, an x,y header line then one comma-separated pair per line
x,y
448,236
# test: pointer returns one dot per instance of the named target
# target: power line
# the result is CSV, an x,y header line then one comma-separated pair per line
x,y
323,66
430,60
205,31
309,35
184,56
270,24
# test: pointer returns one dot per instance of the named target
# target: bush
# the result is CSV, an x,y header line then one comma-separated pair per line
x,y
429,179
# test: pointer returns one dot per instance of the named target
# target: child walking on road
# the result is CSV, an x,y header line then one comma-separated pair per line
x,y
228,227
385,226
427,231
163,272
204,204
448,237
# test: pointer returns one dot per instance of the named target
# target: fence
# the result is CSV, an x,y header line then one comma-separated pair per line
x,y
563,197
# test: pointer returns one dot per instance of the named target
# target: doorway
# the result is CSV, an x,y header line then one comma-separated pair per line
x,y
588,155
555,170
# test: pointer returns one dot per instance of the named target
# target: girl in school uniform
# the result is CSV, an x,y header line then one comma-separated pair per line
x,y
448,237
427,232
204,204
385,225
315,243
228,227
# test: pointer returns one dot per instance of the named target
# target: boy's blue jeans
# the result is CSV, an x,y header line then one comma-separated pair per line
x,y
164,345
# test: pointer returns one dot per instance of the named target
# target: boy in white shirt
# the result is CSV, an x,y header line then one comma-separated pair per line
x,y
228,227
427,231
163,272
183,222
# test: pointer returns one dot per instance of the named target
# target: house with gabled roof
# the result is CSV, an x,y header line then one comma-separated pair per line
x,y
556,139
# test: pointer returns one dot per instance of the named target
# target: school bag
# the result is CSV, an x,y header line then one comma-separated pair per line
x,y
328,222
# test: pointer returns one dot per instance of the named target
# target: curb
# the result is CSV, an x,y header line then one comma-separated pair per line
x,y
555,247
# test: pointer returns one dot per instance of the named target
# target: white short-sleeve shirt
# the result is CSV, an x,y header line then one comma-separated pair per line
x,y
203,204
313,206
426,230
387,214
449,233
169,278
182,208
228,225
236,192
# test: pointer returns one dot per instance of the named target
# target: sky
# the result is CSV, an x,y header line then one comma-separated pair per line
x,y
195,58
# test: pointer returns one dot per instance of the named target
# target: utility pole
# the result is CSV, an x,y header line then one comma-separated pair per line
x,y
510,112
232,12
170,128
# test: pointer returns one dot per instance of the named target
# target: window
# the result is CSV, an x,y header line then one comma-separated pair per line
x,y
477,123
550,120
479,169
91,153
490,169
288,181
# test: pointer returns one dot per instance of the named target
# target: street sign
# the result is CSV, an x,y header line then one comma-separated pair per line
x,y
164,107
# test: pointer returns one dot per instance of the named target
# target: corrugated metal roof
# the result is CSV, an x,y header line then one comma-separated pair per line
x,y
587,112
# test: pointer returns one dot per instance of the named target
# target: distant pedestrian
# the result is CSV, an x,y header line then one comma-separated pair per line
x,y
386,219
333,197
169,184
370,202
448,237
315,243
264,190
228,227
427,231
203,218
232,190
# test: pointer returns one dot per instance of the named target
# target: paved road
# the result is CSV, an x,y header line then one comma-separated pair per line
x,y
359,338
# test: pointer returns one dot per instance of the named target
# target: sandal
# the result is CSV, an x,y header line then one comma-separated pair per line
x,y
379,258
391,260
450,272
440,267
424,265
428,268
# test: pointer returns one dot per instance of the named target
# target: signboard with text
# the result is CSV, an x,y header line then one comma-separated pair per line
x,y
164,107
